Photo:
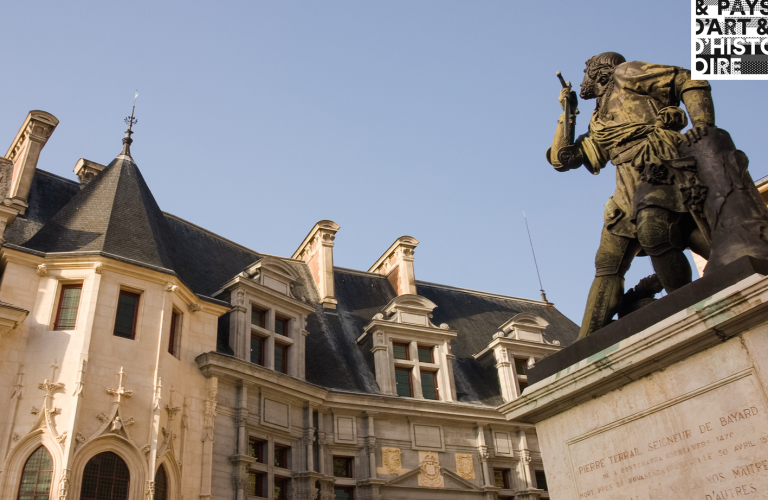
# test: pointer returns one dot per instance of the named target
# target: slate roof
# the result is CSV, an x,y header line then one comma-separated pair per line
x,y
117,215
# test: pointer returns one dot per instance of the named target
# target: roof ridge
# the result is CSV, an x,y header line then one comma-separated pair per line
x,y
211,233
480,292
51,174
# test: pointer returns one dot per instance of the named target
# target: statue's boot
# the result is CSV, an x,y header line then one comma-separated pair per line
x,y
611,263
673,269
602,303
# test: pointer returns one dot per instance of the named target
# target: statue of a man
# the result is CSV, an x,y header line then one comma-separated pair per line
x,y
636,125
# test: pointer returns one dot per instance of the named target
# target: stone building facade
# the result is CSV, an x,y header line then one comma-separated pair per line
x,y
144,357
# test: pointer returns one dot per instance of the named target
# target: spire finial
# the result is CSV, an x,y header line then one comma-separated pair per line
x,y
131,121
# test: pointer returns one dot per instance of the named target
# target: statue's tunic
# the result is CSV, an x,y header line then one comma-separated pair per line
x,y
637,129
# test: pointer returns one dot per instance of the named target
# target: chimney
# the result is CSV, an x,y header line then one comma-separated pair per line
x,y
397,265
317,251
87,170
24,153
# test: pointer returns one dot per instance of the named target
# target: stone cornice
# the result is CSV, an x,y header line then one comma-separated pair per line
x,y
274,295
519,347
98,262
231,369
708,323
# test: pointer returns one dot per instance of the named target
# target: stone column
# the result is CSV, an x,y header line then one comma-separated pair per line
x,y
384,376
371,447
507,378
209,417
239,326
526,490
241,461
320,443
309,438
482,450
450,387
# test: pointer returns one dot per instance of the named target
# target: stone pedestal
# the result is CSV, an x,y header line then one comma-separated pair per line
x,y
675,410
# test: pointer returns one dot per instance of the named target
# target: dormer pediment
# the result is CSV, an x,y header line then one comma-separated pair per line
x,y
524,326
273,273
410,309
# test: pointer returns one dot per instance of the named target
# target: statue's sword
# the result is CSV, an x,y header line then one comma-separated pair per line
x,y
568,111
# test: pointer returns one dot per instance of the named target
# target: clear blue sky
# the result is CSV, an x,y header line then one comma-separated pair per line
x,y
425,118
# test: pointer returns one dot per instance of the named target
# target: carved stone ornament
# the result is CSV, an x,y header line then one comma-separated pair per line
x,y
16,437
99,268
465,466
170,287
62,438
429,471
116,424
194,308
102,417
42,269
390,457
64,484
80,438
314,492
34,410
145,449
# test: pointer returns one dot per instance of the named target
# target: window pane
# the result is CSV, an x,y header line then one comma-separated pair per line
x,y
255,484
280,358
258,317
342,494
281,457
428,387
257,350
281,326
403,381
400,351
161,484
126,314
281,489
256,450
68,302
520,366
499,479
106,477
541,480
175,322
342,466
425,355
36,476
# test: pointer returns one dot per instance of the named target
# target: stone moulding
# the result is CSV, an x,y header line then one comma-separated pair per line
x,y
694,329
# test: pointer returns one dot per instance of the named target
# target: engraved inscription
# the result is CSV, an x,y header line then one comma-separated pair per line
x,y
712,445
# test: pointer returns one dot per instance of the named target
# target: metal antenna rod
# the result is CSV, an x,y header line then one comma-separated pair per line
x,y
543,293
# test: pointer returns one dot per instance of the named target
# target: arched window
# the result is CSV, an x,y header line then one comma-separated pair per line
x,y
105,477
161,484
36,478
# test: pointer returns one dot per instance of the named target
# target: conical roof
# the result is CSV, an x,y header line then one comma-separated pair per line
x,y
114,214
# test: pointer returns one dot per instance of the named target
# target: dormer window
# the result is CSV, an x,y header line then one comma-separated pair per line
x,y
412,355
516,346
267,323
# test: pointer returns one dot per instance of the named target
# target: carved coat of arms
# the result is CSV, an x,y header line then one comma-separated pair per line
x,y
465,466
391,460
430,471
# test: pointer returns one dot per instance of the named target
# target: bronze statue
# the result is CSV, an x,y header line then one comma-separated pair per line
x,y
636,125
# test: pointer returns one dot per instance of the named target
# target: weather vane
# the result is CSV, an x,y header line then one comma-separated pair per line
x,y
131,121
